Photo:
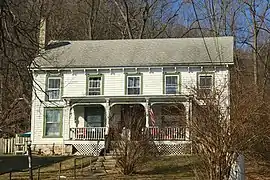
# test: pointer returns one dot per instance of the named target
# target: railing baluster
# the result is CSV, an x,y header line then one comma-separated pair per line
x,y
87,133
167,133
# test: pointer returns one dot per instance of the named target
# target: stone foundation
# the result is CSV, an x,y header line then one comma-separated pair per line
x,y
52,149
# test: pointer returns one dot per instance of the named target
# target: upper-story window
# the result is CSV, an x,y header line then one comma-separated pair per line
x,y
95,85
133,84
205,84
171,85
54,88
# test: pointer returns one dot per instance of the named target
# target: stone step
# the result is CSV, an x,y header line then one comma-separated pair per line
x,y
109,157
100,159
98,164
96,171
109,162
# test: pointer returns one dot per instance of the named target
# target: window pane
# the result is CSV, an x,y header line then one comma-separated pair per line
x,y
52,115
133,90
205,81
168,80
174,80
171,84
94,91
137,82
171,90
208,81
54,94
52,118
94,86
54,83
52,129
130,82
133,81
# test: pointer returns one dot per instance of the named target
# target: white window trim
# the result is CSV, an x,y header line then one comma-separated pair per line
x,y
100,85
165,83
53,89
140,85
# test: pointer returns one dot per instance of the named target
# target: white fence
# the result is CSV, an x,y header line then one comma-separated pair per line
x,y
13,145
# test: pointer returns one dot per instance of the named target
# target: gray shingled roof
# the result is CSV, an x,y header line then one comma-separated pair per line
x,y
139,52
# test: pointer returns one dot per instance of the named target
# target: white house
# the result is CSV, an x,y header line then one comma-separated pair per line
x,y
82,88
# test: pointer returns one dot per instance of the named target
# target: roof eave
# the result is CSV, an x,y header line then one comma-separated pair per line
x,y
138,66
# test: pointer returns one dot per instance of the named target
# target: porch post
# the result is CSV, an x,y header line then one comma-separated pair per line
x,y
66,121
147,113
189,117
107,108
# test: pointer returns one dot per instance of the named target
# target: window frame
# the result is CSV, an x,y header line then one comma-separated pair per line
x,y
204,74
141,83
178,75
54,76
101,76
60,123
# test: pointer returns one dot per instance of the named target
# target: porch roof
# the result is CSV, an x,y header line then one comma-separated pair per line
x,y
128,99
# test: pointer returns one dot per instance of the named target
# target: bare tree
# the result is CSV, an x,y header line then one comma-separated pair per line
x,y
18,46
220,132
131,142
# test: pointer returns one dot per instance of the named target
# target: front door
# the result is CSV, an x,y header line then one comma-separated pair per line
x,y
94,116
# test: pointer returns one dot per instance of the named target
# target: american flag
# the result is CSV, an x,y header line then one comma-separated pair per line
x,y
152,117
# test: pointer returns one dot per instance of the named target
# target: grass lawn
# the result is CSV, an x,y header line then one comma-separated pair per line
x,y
166,167
163,167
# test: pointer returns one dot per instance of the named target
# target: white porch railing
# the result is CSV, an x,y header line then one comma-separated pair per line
x,y
168,133
87,133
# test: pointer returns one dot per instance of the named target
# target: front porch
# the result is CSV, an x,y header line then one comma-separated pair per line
x,y
92,124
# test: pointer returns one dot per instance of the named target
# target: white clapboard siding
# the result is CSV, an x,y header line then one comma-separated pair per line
x,y
222,84
74,84
188,82
39,85
152,83
114,84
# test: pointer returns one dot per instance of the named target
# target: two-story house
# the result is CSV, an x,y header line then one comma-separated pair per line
x,y
82,88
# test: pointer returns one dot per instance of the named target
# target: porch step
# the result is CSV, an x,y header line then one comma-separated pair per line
x,y
105,164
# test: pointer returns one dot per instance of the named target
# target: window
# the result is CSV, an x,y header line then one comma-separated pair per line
x,y
54,88
205,84
133,85
94,85
173,115
53,119
171,84
94,116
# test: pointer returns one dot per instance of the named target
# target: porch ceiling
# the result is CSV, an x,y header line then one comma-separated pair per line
x,y
125,99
